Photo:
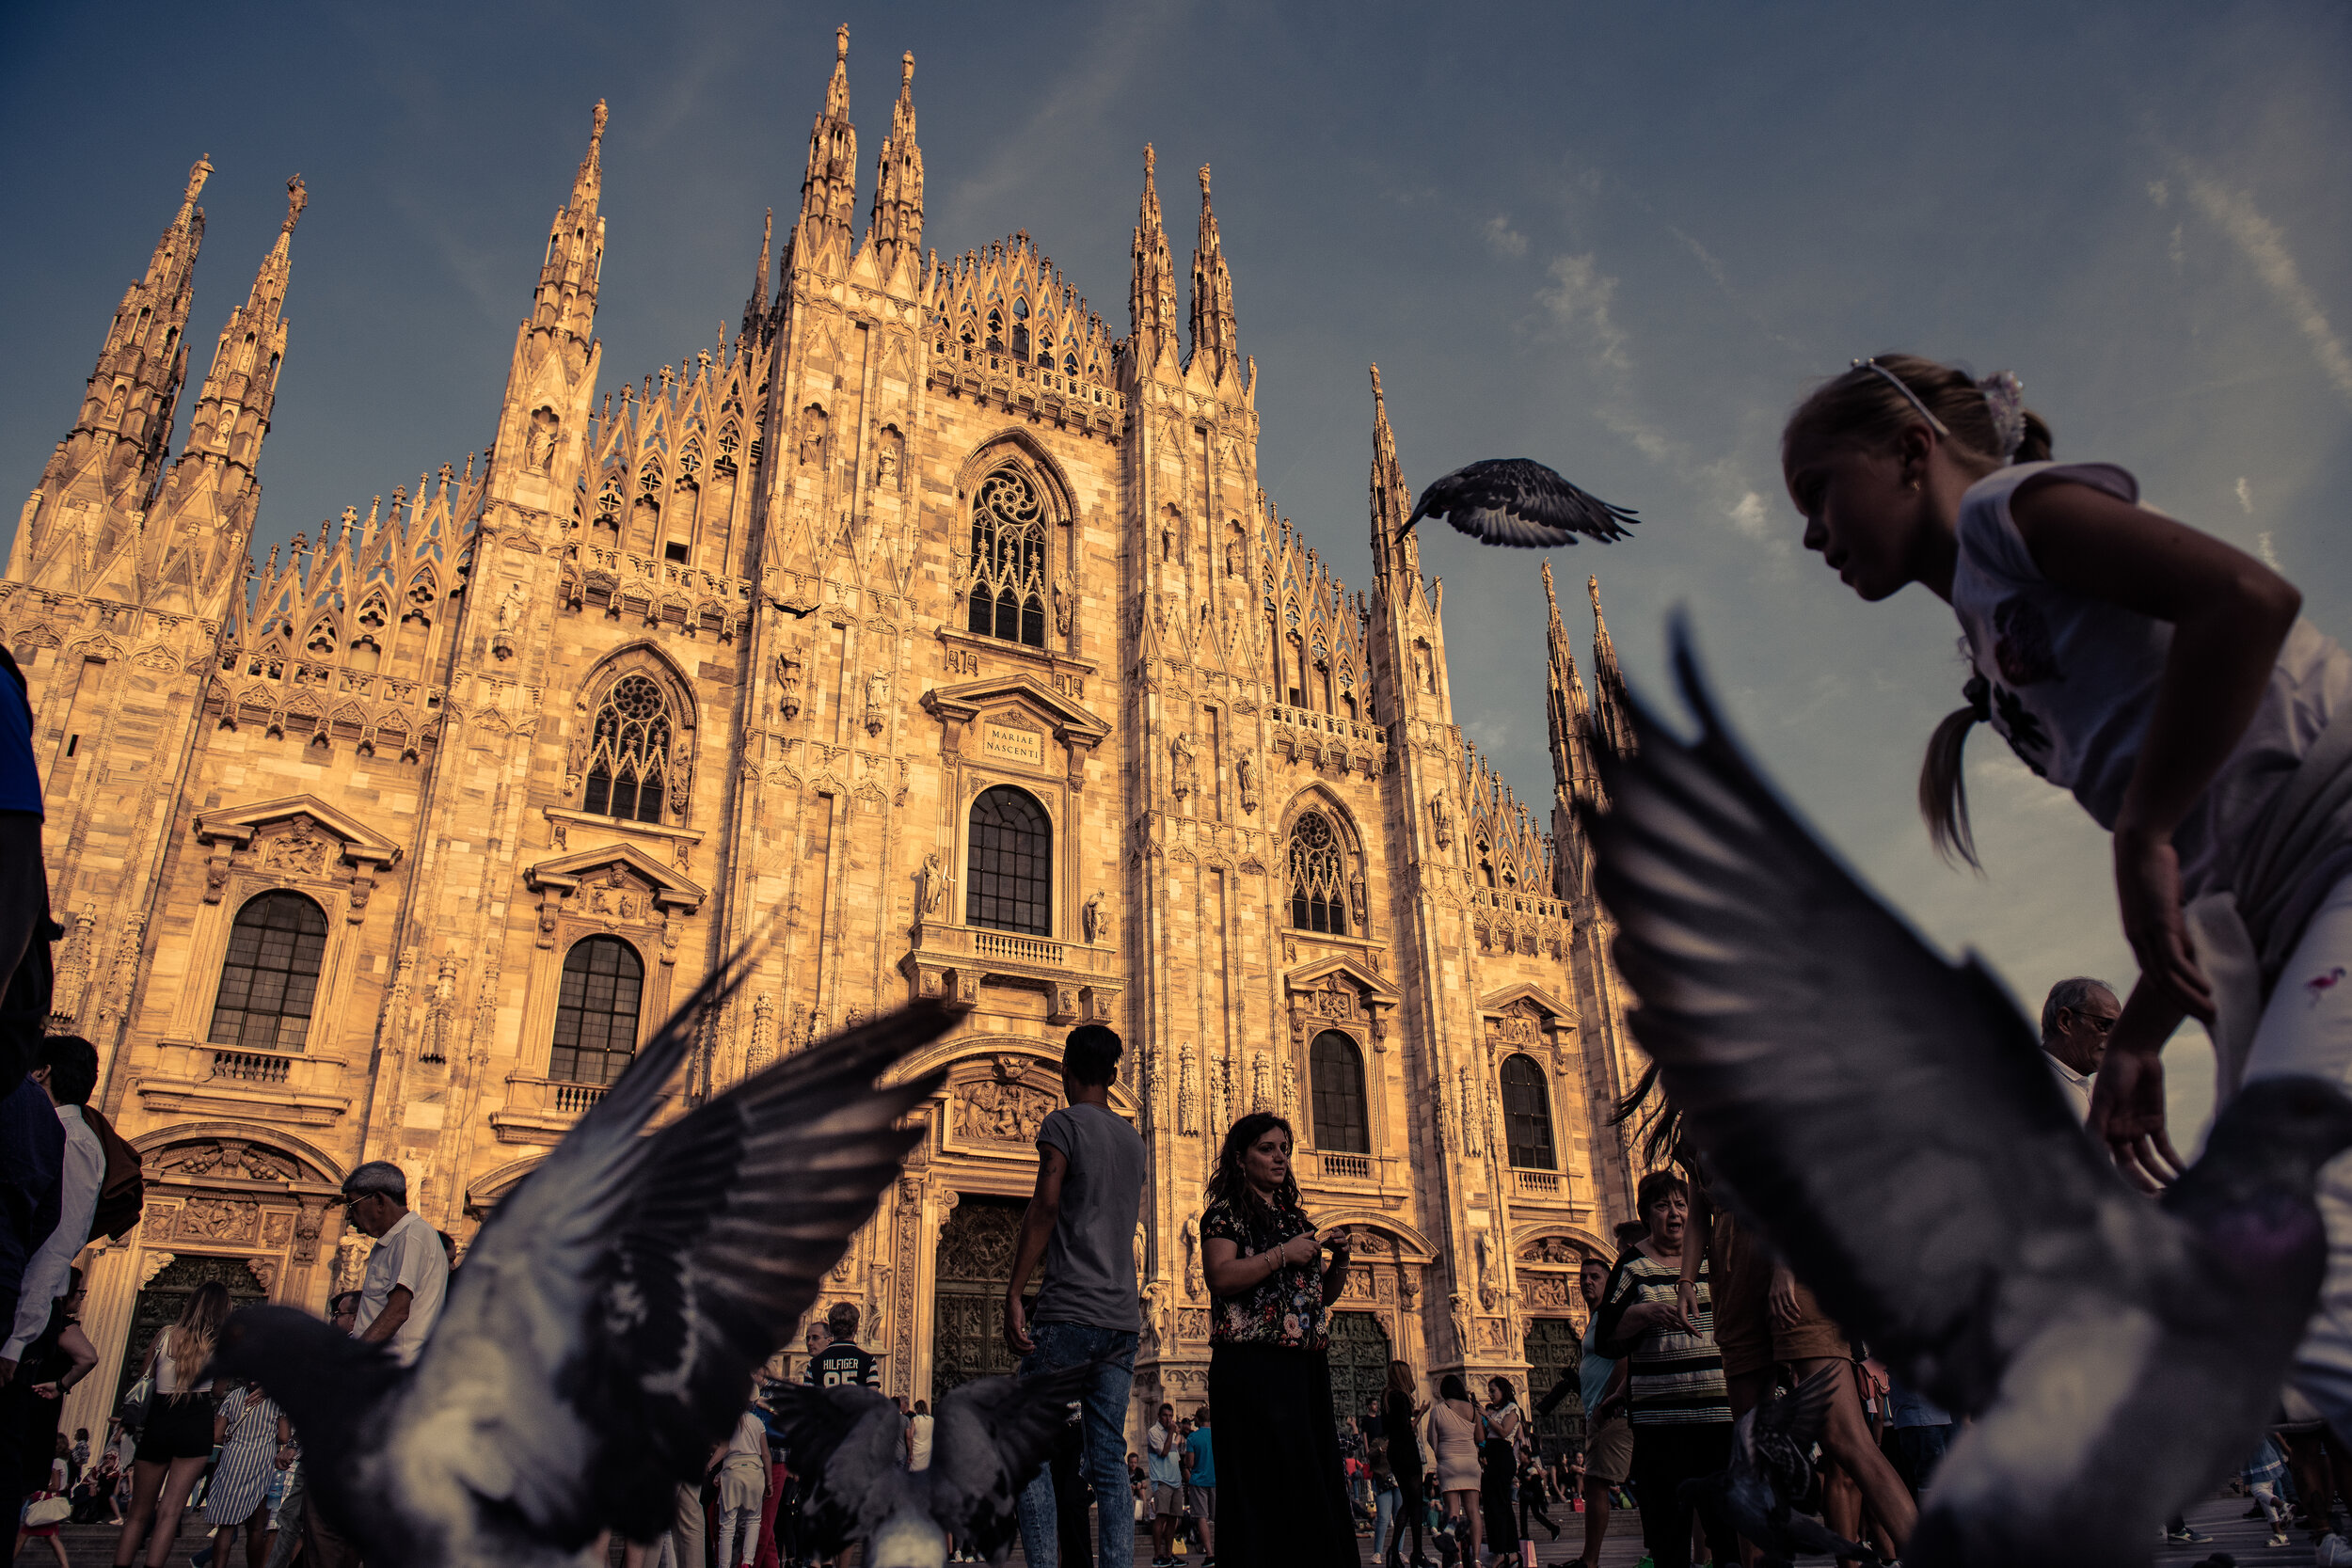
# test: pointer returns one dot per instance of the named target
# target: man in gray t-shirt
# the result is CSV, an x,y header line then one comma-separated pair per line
x,y
1081,1225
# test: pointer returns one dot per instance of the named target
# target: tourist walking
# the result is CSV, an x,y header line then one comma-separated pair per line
x,y
177,1438
1400,1419
1503,1430
1284,1499
742,1488
1080,1226
407,1272
1201,1483
1599,1381
1165,1468
1453,1431
1681,1412
252,1435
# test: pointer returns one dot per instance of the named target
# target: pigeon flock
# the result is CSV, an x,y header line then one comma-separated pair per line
x,y
1886,1119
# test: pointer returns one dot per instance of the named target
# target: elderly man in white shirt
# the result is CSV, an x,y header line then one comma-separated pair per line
x,y
407,1274
68,1069
2076,1016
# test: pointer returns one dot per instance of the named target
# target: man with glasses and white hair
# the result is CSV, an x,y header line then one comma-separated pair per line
x,y
2076,1016
400,1297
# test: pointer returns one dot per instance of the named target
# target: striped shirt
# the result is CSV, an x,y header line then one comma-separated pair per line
x,y
1675,1378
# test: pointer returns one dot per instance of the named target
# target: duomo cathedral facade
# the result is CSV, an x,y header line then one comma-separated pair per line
x,y
926,625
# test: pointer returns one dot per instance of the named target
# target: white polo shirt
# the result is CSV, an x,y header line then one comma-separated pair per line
x,y
408,1254
2075,1086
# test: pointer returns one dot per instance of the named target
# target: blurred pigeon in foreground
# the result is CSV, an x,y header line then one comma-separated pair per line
x,y
1771,1466
604,1331
1517,500
1886,1119
991,1436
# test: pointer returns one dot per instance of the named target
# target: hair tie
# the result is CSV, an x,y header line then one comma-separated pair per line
x,y
1978,693
2005,400
1913,398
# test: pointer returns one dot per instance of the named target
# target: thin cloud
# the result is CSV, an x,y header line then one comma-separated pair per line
x,y
2244,495
1580,300
2265,243
1503,239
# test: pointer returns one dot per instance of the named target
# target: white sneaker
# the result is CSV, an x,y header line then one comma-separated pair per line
x,y
2333,1551
2278,1538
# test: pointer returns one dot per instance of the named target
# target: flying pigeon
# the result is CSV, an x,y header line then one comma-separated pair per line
x,y
1772,1466
606,1327
1886,1119
1517,500
989,1439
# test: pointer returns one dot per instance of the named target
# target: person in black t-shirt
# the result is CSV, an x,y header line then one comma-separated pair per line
x,y
843,1364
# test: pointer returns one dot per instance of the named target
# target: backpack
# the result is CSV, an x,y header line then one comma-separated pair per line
x,y
123,1191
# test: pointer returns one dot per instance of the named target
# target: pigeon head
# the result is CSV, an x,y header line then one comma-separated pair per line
x,y
908,1539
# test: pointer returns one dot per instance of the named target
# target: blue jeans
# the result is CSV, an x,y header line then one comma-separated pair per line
x,y
1384,1507
1105,1462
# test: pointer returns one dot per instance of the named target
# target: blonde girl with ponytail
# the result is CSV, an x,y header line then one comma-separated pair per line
x,y
2163,676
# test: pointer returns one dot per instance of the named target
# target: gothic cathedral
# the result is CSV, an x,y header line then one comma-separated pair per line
x,y
926,625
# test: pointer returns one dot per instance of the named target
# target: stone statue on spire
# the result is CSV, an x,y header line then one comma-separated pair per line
x,y
297,197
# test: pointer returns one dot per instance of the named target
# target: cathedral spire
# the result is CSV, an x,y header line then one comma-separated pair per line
x,y
1574,779
1212,296
756,308
897,223
124,425
565,302
822,236
1151,295
208,502
1612,721
1391,502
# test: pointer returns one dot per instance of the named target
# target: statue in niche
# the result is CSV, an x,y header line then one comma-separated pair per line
x,y
512,605
1168,543
1234,558
813,434
789,685
877,702
886,461
1065,604
539,442
1191,1235
1356,898
1424,668
1094,920
1184,750
931,886
1245,774
1441,820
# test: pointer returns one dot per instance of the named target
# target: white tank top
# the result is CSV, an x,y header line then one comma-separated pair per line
x,y
2073,680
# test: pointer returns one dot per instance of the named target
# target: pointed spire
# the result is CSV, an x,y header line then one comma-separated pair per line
x,y
1152,293
565,302
756,308
896,224
1212,296
232,411
1613,721
821,235
120,434
1574,779
1391,502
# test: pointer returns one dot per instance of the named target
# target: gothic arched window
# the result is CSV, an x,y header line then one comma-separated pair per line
x,y
1527,1114
1318,877
595,1011
629,751
1338,1071
1008,884
1009,586
271,975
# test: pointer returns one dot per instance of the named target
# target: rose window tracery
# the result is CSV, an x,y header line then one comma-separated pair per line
x,y
1007,597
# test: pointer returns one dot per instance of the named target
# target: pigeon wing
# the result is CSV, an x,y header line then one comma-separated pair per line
x,y
1884,1114
848,1439
1799,1415
1517,500
990,1435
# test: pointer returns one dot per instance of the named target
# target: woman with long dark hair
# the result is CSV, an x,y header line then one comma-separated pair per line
x,y
178,1437
1282,1495
1399,1419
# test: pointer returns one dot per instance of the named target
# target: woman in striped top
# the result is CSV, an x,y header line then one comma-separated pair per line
x,y
1680,1411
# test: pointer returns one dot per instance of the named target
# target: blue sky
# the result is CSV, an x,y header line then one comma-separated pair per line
x,y
1623,239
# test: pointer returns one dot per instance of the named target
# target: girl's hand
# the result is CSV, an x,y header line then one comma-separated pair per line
x,y
2127,1116
2148,888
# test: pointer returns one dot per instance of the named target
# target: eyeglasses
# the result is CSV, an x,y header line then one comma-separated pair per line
x,y
2100,1023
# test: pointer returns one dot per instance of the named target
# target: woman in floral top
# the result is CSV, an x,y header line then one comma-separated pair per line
x,y
1281,1493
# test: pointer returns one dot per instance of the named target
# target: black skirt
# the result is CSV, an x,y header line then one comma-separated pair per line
x,y
1282,1495
179,1426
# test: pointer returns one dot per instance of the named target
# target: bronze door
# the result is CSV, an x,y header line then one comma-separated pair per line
x,y
1359,1366
1554,1352
974,1259
160,1300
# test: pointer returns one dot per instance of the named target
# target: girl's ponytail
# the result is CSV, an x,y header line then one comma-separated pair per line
x,y
1943,783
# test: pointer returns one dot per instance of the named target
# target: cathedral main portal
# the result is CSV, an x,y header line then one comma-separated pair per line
x,y
974,1259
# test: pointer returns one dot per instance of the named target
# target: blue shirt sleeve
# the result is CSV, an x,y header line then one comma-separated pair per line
x,y
20,780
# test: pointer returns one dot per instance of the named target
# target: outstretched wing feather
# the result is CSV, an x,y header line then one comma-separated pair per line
x,y
1884,1114
992,1436
1518,502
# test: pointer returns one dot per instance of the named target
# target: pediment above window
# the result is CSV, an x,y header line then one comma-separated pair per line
x,y
1499,1004
1069,721
312,831
1343,970
614,868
